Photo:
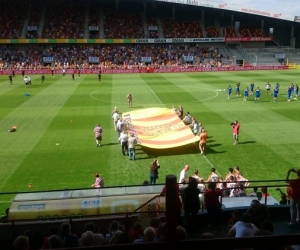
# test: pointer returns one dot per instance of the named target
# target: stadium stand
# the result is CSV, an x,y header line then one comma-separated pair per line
x,y
123,25
67,21
12,19
174,29
34,20
95,13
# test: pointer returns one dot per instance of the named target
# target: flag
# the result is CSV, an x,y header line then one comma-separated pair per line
x,y
159,128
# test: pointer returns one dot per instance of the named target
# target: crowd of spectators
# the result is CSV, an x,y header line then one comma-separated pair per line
x,y
212,32
110,56
176,29
251,32
229,32
123,25
64,19
152,22
12,19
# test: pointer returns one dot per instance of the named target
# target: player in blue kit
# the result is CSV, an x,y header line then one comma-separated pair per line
x,y
277,86
251,88
275,94
292,89
296,91
246,94
257,94
237,89
229,90
289,93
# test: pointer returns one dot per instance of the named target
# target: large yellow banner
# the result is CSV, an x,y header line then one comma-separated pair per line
x,y
159,128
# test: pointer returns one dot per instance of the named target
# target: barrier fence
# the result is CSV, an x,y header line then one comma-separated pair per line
x,y
12,228
144,70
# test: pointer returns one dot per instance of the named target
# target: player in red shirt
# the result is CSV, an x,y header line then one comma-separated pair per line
x,y
236,131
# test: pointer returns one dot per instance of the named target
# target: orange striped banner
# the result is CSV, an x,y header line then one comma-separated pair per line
x,y
159,128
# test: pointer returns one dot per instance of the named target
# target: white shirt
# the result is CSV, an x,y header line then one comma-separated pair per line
x,y
123,137
120,125
243,229
26,80
187,119
214,177
182,175
115,116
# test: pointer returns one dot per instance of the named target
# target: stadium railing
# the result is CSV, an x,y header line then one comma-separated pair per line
x,y
14,228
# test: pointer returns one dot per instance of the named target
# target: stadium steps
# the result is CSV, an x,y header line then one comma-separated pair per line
x,y
101,26
42,21
159,29
86,20
25,25
219,27
203,30
236,53
228,50
145,24
243,52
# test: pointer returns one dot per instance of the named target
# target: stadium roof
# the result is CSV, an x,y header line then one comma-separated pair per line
x,y
285,10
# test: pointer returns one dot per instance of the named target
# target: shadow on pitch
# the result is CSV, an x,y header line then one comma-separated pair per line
x,y
110,144
247,142
183,150
137,107
210,151
214,145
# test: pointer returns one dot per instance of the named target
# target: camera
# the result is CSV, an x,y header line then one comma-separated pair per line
x,y
232,123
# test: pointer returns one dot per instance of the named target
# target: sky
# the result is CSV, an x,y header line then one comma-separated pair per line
x,y
286,7
282,9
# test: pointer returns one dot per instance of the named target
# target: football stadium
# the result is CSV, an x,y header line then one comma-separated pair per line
x,y
166,123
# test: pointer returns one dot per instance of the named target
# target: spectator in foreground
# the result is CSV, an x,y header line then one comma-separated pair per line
x,y
36,239
294,186
212,204
259,213
21,243
243,228
113,228
235,217
136,232
191,203
87,239
149,236
68,239
181,233
283,197
54,242
98,239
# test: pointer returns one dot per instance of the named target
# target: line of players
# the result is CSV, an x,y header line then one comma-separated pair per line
x,y
292,91
27,79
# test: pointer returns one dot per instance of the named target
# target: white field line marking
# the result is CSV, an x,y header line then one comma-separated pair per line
x,y
152,91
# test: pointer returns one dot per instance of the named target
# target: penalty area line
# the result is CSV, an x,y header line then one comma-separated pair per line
x,y
152,91
208,161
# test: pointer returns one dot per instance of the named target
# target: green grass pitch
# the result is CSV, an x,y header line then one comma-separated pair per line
x,y
65,112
